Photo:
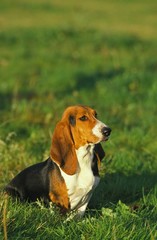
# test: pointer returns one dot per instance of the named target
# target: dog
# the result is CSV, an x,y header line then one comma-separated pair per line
x,y
71,173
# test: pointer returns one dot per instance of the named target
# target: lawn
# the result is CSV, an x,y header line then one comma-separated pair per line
x,y
98,53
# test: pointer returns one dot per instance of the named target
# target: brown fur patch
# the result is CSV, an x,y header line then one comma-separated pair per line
x,y
63,150
58,190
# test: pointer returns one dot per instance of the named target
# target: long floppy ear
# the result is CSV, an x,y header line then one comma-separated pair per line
x,y
99,154
62,149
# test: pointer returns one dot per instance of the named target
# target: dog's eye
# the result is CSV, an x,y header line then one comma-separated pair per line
x,y
96,115
83,118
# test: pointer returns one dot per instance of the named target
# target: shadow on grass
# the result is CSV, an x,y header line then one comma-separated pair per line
x,y
117,186
89,80
7,99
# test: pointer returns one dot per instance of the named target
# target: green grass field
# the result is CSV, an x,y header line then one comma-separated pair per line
x,y
98,53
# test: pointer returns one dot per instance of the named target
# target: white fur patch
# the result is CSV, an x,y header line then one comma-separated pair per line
x,y
81,185
97,129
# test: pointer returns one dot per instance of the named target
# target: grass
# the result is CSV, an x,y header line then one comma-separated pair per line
x,y
97,53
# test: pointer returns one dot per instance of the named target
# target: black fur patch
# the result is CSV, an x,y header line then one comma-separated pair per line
x,y
72,120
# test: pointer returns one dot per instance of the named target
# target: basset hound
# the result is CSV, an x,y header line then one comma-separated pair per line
x,y
71,173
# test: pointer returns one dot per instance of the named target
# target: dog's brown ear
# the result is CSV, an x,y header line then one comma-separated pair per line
x,y
62,148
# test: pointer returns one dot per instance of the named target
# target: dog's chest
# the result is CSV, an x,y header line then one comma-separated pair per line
x,y
81,183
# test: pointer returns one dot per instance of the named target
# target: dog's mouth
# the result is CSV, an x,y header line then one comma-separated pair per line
x,y
105,139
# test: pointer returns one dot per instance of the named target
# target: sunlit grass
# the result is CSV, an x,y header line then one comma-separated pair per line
x,y
97,53
137,17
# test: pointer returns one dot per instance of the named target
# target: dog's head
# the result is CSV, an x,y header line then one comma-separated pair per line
x,y
79,126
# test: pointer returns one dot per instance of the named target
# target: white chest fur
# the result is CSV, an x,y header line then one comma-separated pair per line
x,y
80,184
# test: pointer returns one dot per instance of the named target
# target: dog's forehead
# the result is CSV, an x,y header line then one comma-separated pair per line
x,y
77,110
82,110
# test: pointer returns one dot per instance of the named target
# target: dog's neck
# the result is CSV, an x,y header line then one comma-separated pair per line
x,y
85,155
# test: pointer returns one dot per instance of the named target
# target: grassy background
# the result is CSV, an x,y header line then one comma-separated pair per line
x,y
97,53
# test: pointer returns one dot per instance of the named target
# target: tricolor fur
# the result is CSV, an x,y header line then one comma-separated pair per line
x,y
71,173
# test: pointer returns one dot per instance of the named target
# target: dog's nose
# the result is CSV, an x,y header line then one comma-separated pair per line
x,y
106,131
